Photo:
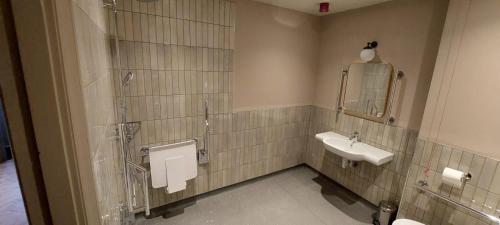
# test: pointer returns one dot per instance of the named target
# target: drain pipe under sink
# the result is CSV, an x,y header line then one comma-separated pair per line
x,y
350,163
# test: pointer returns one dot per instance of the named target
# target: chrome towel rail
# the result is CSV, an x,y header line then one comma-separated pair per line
x,y
423,186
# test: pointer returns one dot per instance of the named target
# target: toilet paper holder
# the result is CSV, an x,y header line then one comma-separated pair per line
x,y
467,177
450,172
424,184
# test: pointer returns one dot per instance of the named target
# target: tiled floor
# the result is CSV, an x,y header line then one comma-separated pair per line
x,y
297,196
11,201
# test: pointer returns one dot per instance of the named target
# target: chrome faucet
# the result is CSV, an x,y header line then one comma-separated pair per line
x,y
355,138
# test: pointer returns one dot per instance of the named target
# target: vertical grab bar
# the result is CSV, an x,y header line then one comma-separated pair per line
x,y
203,155
339,96
399,76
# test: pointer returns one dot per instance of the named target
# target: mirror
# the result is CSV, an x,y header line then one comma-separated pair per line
x,y
367,88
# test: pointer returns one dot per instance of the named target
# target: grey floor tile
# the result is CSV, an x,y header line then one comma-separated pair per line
x,y
297,196
11,200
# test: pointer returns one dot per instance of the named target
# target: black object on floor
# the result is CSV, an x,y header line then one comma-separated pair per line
x,y
172,209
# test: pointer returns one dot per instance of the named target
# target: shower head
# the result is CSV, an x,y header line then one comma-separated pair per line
x,y
127,78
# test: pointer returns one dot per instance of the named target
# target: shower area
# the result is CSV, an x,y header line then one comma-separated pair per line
x,y
172,63
167,69
157,72
160,72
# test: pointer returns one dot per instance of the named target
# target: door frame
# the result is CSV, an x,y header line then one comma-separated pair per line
x,y
18,120
54,114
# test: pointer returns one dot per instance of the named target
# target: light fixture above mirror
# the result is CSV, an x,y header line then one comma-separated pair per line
x,y
368,53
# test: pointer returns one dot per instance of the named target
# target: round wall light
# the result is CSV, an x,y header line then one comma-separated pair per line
x,y
368,53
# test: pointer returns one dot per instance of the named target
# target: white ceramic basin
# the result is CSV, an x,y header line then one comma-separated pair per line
x,y
341,146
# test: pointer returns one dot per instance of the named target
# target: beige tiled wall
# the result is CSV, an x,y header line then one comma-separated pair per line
x,y
181,52
97,86
374,183
482,192
247,145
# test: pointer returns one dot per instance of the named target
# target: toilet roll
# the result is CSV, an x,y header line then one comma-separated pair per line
x,y
453,177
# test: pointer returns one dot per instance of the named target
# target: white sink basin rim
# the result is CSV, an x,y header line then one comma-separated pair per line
x,y
343,147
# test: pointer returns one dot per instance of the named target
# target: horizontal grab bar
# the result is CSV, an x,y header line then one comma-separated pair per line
x,y
422,186
137,167
170,146
145,151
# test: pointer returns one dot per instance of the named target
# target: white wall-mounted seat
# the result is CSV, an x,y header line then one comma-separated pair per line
x,y
406,222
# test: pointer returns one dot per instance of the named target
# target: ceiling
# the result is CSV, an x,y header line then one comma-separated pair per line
x,y
312,6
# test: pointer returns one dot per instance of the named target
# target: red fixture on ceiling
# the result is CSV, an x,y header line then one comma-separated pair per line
x,y
324,7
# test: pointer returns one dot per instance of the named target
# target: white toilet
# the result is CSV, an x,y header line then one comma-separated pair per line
x,y
406,222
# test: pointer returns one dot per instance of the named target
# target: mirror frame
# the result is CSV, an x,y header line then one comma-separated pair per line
x,y
343,86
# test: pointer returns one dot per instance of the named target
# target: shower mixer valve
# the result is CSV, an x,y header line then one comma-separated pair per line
x,y
203,156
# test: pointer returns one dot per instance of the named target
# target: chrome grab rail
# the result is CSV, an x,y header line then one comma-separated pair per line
x,y
344,73
339,107
422,186
396,80
146,150
170,146
203,156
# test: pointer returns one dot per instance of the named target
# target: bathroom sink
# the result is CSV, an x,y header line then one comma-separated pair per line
x,y
359,151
